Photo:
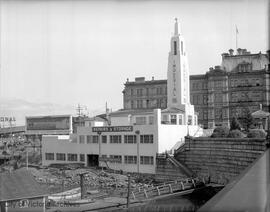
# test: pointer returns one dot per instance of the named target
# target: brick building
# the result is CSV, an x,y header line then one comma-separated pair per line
x,y
238,86
145,94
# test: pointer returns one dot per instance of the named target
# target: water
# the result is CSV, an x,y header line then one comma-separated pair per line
x,y
179,203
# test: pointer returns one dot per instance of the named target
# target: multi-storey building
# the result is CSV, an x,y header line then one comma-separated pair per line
x,y
236,87
145,94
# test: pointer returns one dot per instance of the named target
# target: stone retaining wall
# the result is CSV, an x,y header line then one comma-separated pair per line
x,y
219,159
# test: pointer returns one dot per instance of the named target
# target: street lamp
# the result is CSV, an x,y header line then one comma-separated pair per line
x,y
137,132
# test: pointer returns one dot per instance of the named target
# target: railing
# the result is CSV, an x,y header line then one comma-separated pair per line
x,y
165,188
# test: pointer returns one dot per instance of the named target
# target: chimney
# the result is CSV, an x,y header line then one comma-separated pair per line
x,y
153,78
139,79
231,52
218,67
244,51
224,55
239,51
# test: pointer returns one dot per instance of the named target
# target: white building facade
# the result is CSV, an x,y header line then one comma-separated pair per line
x,y
133,144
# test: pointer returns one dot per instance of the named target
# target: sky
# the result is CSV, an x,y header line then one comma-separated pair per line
x,y
68,52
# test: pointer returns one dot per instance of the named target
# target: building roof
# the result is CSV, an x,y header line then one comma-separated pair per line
x,y
148,82
8,130
131,112
260,114
172,110
19,184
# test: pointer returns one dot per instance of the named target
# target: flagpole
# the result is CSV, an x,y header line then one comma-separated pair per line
x,y
236,43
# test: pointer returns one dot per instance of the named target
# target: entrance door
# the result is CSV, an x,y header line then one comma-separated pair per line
x,y
92,160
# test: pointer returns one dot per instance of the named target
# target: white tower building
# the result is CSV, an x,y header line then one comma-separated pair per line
x,y
178,79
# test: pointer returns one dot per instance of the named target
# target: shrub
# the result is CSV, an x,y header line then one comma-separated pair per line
x,y
220,132
236,134
256,133
235,125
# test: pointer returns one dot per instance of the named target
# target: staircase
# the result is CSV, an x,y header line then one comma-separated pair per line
x,y
181,166
168,168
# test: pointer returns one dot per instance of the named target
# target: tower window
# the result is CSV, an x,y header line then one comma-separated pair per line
x,y
175,47
182,47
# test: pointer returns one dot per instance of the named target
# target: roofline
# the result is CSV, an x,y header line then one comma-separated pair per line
x,y
145,82
46,116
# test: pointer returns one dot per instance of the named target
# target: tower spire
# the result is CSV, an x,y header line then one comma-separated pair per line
x,y
176,27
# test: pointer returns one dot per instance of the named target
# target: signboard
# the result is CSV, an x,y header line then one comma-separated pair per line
x,y
7,119
48,123
113,129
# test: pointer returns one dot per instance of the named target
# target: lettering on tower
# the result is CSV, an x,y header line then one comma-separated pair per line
x,y
174,99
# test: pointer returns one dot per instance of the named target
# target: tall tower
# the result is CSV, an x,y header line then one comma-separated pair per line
x,y
178,72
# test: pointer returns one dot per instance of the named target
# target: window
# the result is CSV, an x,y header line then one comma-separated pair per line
x,y
82,157
189,120
258,83
218,98
92,139
115,139
139,103
131,92
147,160
95,138
205,99
146,139
49,156
205,115
61,156
139,92
195,120
218,113
182,48
175,47
88,139
151,120
104,139
130,139
173,119
147,103
159,103
72,157
132,104
204,85
116,158
130,159
81,139
180,119
140,120
165,118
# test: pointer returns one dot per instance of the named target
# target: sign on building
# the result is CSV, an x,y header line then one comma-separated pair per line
x,y
113,129
49,124
7,119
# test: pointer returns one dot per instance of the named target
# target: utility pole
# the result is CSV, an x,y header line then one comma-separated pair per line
x,y
137,132
128,193
82,183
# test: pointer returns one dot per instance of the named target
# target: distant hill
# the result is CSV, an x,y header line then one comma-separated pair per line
x,y
19,108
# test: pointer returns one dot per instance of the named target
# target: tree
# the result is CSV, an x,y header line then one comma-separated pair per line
x,y
235,125
220,132
249,121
